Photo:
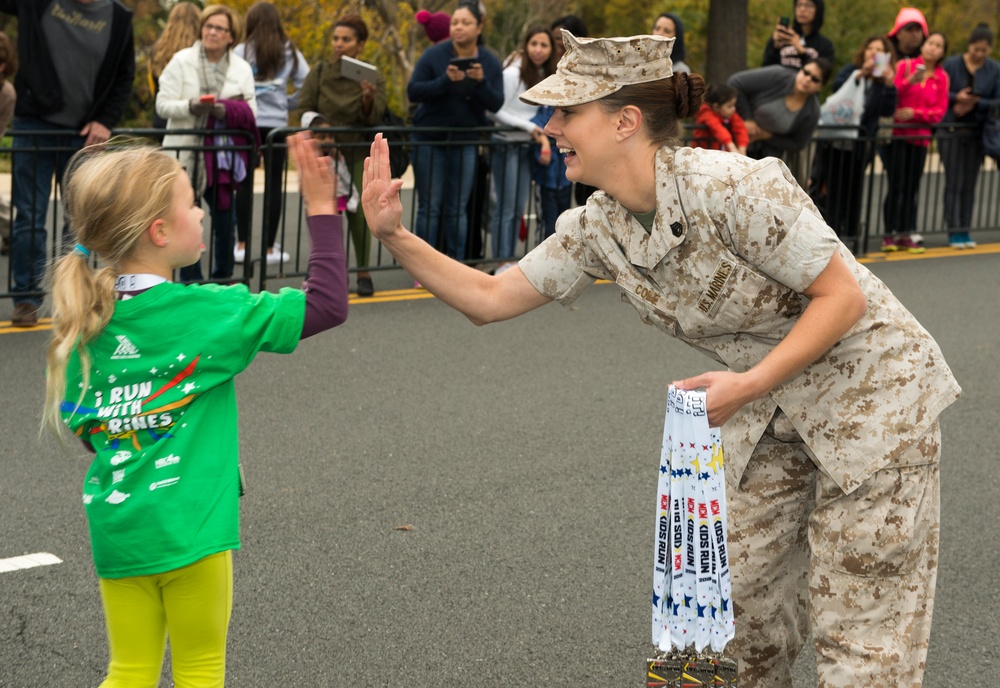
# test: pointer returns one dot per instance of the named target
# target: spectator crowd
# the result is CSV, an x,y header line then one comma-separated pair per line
x,y
224,85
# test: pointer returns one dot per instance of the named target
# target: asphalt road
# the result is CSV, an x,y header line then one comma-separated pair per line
x,y
521,457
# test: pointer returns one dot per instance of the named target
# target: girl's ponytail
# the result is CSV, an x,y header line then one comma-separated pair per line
x,y
83,300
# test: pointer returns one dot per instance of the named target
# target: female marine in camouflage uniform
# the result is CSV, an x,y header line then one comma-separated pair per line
x,y
830,402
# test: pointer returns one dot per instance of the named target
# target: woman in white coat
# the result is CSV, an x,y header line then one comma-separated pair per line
x,y
197,87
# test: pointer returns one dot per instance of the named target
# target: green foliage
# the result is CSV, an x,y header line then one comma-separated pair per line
x,y
396,39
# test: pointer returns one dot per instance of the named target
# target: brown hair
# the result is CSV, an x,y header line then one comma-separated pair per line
x,y
266,41
859,57
112,197
664,103
530,74
235,23
8,56
181,31
356,24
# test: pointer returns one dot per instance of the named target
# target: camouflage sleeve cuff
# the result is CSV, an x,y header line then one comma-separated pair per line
x,y
552,269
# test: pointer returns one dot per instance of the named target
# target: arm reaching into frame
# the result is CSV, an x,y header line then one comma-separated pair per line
x,y
480,297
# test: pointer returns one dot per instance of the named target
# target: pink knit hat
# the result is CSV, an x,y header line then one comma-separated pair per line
x,y
437,26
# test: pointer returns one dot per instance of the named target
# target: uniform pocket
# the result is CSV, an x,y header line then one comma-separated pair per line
x,y
724,304
885,528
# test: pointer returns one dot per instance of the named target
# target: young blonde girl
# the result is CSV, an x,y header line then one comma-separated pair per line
x,y
141,370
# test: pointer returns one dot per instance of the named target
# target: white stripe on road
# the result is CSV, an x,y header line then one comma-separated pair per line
x,y
28,561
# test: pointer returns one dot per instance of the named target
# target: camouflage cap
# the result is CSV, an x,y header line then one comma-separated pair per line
x,y
595,67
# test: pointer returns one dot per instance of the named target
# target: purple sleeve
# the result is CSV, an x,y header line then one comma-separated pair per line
x,y
326,286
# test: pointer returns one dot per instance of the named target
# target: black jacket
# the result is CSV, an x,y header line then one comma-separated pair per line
x,y
39,93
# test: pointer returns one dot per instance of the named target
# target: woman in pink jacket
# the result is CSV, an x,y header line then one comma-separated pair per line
x,y
922,88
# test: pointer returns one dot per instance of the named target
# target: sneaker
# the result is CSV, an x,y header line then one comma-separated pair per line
x,y
906,243
365,286
25,315
969,243
277,256
956,240
416,285
889,244
239,254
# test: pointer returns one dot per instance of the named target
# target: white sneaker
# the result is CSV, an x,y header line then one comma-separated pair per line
x,y
277,256
239,254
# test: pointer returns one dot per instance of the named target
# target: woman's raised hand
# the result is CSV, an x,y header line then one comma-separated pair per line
x,y
317,186
380,193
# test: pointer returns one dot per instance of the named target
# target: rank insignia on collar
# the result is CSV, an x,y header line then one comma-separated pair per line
x,y
677,228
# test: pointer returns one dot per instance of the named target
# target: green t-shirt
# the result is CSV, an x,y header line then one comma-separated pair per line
x,y
160,412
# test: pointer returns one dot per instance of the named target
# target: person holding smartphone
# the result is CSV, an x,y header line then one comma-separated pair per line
x,y
451,98
796,39
204,87
974,90
838,170
922,99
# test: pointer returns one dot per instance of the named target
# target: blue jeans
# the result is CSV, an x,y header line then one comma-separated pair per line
x,y
222,240
554,203
510,167
32,172
444,177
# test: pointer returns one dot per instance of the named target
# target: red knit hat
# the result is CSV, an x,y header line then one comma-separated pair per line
x,y
437,26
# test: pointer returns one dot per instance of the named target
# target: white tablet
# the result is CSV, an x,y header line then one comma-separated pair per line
x,y
357,70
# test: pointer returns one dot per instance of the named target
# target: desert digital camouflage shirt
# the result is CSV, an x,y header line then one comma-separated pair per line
x,y
734,244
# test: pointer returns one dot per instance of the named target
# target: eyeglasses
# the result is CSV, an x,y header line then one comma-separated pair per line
x,y
215,28
815,79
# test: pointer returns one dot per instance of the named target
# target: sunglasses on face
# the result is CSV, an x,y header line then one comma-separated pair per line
x,y
812,77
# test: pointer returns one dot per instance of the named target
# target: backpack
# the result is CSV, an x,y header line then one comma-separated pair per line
x,y
399,155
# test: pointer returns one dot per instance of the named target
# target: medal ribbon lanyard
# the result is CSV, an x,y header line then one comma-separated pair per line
x,y
691,582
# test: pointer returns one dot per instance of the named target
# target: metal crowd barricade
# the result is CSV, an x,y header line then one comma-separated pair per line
x,y
860,234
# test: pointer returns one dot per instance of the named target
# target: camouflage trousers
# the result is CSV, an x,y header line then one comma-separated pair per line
x,y
856,570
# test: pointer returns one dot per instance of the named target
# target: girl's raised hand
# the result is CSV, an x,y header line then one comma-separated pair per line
x,y
380,192
317,185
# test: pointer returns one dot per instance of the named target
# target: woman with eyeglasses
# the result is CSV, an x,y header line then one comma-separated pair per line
x,y
780,106
208,87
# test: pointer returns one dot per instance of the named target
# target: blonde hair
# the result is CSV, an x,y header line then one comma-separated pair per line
x,y
112,198
182,29
235,23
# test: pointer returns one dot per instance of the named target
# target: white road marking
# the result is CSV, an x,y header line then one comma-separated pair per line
x,y
28,561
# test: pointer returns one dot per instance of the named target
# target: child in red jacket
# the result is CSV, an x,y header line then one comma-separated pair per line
x,y
721,128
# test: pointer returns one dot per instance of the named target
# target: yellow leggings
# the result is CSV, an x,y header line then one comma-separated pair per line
x,y
192,604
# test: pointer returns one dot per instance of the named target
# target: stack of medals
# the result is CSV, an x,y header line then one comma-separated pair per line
x,y
692,605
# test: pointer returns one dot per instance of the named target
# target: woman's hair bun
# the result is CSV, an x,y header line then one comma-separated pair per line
x,y
689,90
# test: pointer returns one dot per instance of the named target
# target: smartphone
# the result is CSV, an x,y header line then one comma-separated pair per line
x,y
464,63
785,21
209,99
881,64
921,67
976,92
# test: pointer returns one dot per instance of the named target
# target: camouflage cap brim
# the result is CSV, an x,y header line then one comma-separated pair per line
x,y
561,90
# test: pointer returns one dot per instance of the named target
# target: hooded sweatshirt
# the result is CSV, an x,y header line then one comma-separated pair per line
x,y
814,44
907,15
